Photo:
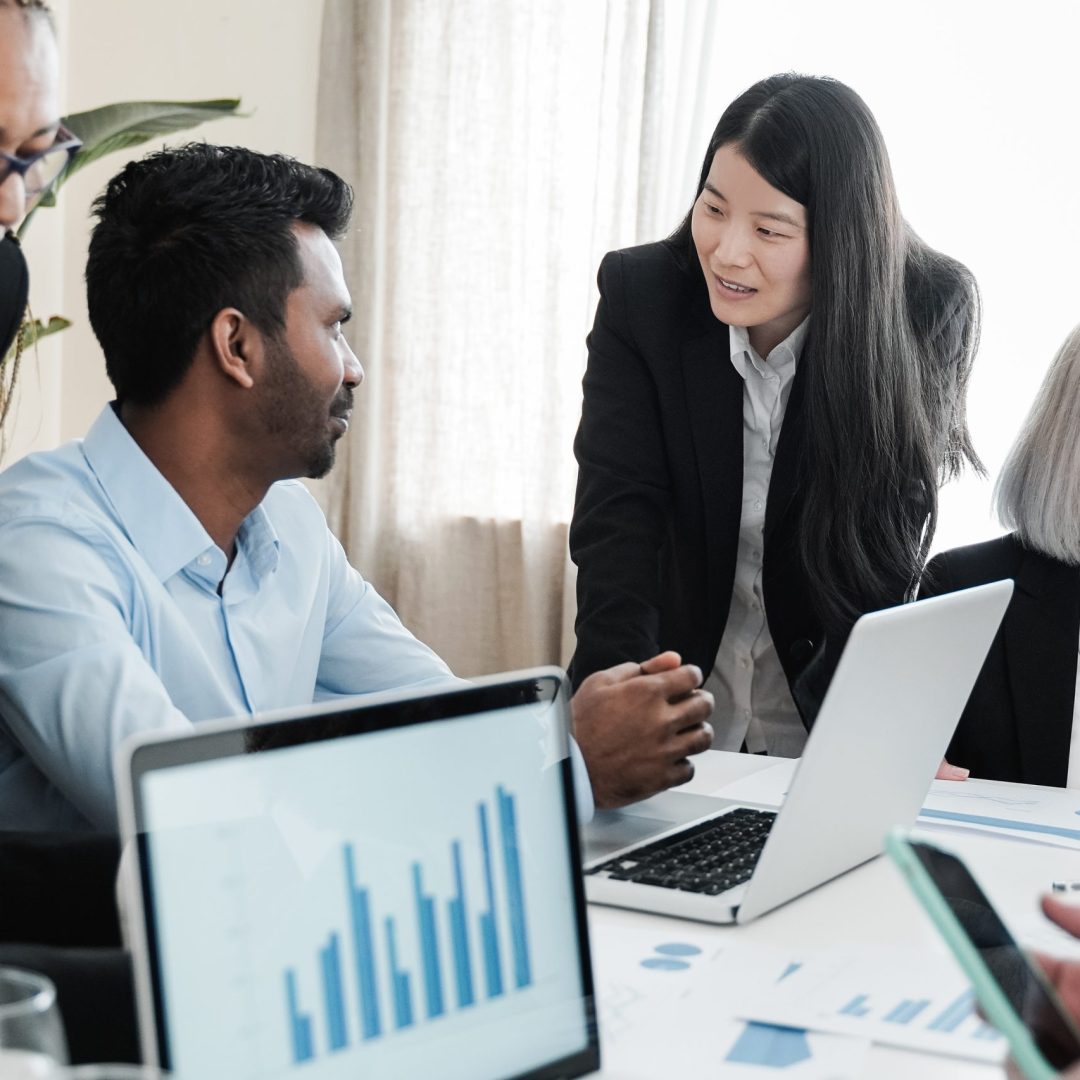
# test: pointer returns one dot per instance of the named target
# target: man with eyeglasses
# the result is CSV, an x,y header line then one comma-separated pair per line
x,y
35,148
57,899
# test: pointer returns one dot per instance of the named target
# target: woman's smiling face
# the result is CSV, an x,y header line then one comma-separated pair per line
x,y
754,250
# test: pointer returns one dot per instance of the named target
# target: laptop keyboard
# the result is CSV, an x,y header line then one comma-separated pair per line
x,y
708,858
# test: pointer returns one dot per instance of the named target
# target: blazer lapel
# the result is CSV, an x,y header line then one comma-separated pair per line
x,y
1041,649
714,401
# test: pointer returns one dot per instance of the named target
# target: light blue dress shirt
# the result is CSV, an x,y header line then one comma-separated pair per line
x,y
111,622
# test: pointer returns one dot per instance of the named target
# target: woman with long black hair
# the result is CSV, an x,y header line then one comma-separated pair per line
x,y
773,395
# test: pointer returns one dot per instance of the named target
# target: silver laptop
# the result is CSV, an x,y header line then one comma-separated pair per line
x,y
380,887
883,728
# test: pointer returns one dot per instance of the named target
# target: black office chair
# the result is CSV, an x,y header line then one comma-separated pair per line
x,y
58,916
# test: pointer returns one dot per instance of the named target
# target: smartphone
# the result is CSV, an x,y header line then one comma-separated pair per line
x,y
1015,995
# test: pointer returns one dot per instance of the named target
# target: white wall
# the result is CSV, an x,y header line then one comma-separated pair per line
x,y
263,51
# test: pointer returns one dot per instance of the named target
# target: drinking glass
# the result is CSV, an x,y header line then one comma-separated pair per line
x,y
32,1044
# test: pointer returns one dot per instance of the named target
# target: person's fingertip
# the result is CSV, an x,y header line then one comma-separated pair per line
x,y
665,661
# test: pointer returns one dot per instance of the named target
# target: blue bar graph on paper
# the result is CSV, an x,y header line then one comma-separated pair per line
x,y
459,933
855,1006
916,1008
381,973
896,1014
363,947
299,1024
429,944
514,892
489,938
954,1014
333,994
403,1012
905,1011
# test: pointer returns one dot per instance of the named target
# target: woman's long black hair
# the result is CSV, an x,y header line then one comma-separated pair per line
x,y
893,330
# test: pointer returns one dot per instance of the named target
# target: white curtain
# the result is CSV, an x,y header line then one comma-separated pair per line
x,y
497,151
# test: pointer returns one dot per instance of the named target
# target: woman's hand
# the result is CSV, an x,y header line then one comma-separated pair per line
x,y
946,771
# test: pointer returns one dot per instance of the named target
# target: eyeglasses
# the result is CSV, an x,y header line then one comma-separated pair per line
x,y
40,171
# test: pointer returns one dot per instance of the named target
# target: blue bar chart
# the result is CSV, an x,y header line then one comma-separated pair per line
x,y
465,949
946,1019
891,995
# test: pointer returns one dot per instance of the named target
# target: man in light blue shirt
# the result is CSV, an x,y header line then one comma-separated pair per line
x,y
167,569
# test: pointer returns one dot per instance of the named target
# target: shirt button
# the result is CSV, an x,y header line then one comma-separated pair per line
x,y
204,560
756,556
743,662
757,504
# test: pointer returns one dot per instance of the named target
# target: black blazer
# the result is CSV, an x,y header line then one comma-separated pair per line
x,y
1017,724
655,531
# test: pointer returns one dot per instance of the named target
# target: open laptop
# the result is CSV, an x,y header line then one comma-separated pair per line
x,y
884,725
378,887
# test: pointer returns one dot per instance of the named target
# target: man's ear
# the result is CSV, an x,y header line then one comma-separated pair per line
x,y
237,346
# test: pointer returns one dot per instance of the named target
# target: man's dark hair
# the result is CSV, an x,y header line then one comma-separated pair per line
x,y
186,232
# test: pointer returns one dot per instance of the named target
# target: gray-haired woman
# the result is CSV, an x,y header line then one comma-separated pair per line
x,y
1020,722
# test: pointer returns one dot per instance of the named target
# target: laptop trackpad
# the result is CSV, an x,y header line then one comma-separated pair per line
x,y
611,830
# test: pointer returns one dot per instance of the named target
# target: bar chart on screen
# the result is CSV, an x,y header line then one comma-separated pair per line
x,y
377,910
366,946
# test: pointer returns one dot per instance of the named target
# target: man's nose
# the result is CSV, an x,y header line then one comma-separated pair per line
x,y
354,372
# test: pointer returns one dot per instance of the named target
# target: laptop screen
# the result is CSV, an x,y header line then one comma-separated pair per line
x,y
386,890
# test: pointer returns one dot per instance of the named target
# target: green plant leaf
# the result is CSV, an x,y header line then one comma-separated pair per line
x,y
126,124
29,334
117,127
33,332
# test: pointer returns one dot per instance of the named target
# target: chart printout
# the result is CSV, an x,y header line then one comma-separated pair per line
x,y
377,905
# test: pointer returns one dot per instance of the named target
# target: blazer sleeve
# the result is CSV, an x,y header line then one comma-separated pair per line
x,y
623,491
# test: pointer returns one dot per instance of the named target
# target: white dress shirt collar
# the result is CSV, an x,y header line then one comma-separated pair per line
x,y
782,358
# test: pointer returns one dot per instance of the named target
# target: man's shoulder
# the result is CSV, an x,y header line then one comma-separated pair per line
x,y
50,485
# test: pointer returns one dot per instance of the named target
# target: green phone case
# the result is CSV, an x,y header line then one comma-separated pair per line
x,y
995,1004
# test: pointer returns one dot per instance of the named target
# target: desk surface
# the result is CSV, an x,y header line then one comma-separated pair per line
x,y
869,905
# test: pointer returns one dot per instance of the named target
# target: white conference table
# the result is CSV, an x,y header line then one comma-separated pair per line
x,y
870,905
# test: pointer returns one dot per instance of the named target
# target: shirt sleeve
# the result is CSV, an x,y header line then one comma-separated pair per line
x,y
73,682
366,648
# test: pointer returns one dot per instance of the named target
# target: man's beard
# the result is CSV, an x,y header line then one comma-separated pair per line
x,y
295,413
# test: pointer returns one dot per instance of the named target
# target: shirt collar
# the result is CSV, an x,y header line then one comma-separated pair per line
x,y
156,519
782,359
